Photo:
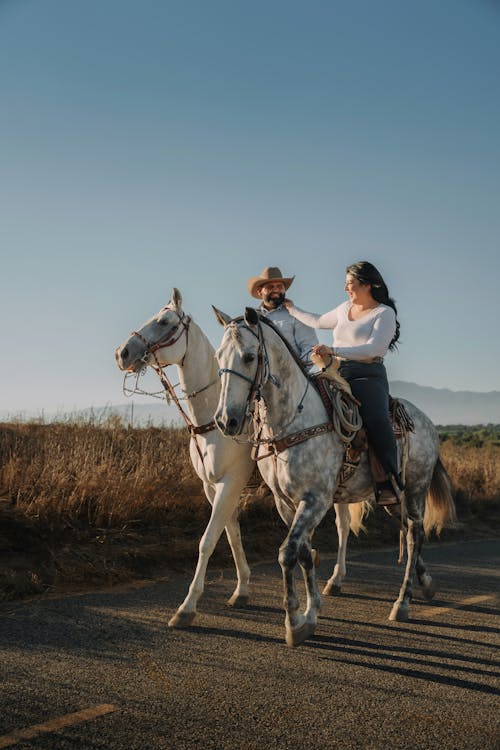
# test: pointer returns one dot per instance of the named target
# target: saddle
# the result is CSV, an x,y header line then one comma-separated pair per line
x,y
328,381
330,371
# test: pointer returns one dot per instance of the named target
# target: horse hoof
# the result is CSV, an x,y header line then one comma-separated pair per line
x,y
181,619
428,589
294,637
238,601
332,589
399,613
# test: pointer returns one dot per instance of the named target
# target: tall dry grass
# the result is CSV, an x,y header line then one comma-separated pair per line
x,y
97,475
474,471
86,502
106,476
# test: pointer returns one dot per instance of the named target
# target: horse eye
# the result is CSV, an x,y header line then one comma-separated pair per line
x,y
247,358
163,321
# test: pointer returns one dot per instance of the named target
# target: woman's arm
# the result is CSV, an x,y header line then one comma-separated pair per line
x,y
327,320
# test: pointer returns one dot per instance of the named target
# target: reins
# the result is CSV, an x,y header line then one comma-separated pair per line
x,y
343,418
169,339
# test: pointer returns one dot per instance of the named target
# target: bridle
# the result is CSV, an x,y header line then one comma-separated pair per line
x,y
262,376
262,372
170,338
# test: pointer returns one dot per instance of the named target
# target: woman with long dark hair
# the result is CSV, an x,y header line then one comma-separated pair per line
x,y
364,328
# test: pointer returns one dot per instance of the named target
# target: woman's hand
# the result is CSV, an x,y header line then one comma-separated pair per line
x,y
322,350
288,303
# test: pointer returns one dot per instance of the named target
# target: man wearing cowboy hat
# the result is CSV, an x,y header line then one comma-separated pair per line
x,y
270,288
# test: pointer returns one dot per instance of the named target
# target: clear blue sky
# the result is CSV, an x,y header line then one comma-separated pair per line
x,y
145,145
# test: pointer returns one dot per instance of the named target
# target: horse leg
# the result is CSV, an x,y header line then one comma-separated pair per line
x,y
224,498
414,539
342,519
307,561
241,595
425,579
297,546
314,552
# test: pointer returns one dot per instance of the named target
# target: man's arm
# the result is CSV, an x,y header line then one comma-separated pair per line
x,y
305,339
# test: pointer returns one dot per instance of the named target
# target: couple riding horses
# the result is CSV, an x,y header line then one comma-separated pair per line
x,y
364,328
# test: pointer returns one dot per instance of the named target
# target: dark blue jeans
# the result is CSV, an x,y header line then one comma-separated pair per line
x,y
370,386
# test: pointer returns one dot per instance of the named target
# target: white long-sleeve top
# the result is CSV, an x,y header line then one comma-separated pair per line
x,y
361,339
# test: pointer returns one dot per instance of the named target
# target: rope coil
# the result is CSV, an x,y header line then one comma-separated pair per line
x,y
346,417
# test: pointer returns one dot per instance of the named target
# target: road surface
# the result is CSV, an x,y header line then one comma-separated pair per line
x,y
102,670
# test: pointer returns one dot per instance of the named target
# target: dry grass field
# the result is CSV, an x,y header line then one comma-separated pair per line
x,y
85,502
474,471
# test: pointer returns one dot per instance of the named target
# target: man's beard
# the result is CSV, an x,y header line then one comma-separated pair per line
x,y
274,300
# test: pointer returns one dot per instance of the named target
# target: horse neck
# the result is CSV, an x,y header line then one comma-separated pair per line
x,y
281,403
198,370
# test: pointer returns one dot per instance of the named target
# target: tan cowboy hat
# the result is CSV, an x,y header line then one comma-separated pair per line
x,y
271,273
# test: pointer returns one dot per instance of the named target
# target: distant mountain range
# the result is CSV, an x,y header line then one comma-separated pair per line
x,y
442,405
451,407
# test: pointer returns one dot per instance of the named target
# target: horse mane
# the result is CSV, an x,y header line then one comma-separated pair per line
x,y
235,333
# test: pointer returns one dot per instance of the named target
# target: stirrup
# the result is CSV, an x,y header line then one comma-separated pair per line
x,y
388,493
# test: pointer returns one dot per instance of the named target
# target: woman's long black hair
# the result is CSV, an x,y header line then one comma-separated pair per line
x,y
366,273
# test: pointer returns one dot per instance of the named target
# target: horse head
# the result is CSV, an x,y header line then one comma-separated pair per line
x,y
161,341
240,359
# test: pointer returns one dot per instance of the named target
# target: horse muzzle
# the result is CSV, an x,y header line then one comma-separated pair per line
x,y
128,361
229,423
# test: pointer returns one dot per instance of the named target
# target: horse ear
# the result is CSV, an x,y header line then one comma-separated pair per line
x,y
176,298
221,317
251,316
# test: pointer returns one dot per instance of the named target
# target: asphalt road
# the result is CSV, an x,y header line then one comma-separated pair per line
x,y
102,670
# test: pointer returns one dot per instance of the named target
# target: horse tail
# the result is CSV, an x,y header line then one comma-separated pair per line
x,y
439,504
357,512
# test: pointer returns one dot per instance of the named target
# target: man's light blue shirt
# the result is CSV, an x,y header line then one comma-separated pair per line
x,y
301,337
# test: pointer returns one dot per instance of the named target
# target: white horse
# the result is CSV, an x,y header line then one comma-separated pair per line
x,y
224,467
303,458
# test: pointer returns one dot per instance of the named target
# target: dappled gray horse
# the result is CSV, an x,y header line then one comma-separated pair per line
x,y
303,457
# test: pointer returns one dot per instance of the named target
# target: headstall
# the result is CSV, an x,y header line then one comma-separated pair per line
x,y
169,339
